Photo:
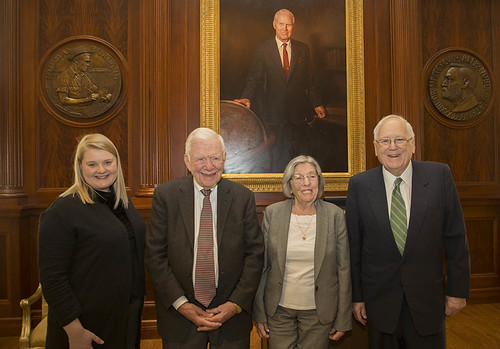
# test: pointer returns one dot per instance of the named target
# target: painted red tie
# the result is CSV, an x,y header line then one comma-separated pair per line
x,y
204,285
286,62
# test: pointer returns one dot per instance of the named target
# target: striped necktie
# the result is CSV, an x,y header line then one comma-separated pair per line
x,y
204,285
398,216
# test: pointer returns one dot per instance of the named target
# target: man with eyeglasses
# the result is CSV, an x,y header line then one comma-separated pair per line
x,y
204,252
401,217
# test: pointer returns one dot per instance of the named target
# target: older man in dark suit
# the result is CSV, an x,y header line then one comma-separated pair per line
x,y
401,216
282,67
204,252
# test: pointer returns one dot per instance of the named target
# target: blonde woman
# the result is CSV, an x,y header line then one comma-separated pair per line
x,y
91,255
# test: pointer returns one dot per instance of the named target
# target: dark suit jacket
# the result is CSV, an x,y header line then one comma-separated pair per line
x,y
286,100
169,254
381,276
332,275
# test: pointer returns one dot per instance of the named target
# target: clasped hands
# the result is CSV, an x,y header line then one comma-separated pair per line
x,y
210,319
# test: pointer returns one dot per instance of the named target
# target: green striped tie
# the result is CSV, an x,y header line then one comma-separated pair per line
x,y
398,216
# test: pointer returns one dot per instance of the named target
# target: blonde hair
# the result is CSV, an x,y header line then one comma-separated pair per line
x,y
82,188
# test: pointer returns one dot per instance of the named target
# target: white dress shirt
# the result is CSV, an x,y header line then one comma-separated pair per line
x,y
198,205
405,188
288,50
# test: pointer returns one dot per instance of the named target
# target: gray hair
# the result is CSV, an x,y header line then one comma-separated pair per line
x,y
409,129
203,134
290,169
284,12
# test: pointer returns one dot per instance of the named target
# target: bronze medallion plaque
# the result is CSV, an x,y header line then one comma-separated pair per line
x,y
82,80
459,87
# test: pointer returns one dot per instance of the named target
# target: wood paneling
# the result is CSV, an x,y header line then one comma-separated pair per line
x,y
11,176
406,63
378,70
465,150
482,244
55,142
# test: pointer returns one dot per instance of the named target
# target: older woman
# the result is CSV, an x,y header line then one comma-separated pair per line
x,y
304,296
90,255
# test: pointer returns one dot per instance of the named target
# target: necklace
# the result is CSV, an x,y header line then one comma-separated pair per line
x,y
304,233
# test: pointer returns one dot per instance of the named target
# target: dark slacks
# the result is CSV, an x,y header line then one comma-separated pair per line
x,y
290,141
406,336
199,340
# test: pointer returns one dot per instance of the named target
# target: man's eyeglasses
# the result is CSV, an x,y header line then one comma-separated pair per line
x,y
215,160
399,141
301,178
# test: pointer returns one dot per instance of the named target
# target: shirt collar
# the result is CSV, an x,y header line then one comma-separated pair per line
x,y
198,187
280,43
406,176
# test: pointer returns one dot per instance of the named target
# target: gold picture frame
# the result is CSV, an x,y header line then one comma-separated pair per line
x,y
210,95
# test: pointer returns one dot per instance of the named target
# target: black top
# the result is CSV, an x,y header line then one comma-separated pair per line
x,y
86,257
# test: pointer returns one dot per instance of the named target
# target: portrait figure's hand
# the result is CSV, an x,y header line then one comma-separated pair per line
x,y
320,111
244,101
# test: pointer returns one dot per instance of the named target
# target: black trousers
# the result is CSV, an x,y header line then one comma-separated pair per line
x,y
199,340
406,335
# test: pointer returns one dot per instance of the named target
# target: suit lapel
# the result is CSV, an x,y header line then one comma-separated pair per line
x,y
378,203
276,58
186,206
321,237
294,58
282,221
224,199
420,196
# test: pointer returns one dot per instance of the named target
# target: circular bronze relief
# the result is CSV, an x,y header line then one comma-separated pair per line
x,y
81,81
459,87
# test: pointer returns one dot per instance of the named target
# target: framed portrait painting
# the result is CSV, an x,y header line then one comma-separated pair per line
x,y
271,105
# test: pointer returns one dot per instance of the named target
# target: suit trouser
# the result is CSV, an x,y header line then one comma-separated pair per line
x,y
289,329
199,340
290,141
406,335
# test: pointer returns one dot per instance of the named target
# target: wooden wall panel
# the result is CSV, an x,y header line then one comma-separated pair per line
x,y
378,72
482,244
55,141
4,265
465,150
11,157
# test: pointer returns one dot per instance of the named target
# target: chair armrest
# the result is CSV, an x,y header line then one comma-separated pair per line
x,y
24,340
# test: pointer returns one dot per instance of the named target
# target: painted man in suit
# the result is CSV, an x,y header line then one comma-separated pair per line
x,y
401,216
282,67
204,294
